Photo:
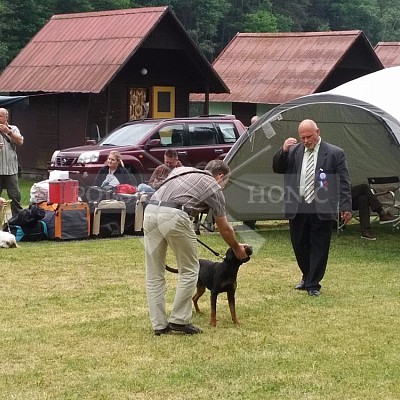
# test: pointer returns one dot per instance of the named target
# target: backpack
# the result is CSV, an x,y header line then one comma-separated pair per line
x,y
32,233
27,225
27,217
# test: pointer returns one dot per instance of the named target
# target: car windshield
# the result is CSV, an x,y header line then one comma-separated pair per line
x,y
128,135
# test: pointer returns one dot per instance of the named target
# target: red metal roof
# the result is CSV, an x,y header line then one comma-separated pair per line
x,y
277,67
388,53
79,52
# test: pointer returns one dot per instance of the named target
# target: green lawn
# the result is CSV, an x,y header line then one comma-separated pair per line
x,y
25,186
74,324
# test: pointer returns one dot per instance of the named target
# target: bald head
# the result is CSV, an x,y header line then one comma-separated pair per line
x,y
253,119
3,112
309,133
307,124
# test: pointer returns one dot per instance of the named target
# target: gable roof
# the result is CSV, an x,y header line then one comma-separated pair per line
x,y
277,67
388,53
83,52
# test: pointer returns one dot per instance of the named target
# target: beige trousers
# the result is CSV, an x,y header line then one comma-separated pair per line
x,y
163,227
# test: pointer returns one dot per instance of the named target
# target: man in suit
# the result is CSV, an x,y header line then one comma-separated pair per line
x,y
316,186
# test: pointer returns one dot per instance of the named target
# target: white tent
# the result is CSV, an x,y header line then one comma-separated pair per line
x,y
353,116
8,101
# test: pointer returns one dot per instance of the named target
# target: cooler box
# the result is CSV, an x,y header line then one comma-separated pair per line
x,y
63,191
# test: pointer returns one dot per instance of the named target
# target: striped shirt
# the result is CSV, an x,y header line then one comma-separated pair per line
x,y
197,190
8,155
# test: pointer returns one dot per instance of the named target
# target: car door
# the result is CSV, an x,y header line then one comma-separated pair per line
x,y
206,143
171,136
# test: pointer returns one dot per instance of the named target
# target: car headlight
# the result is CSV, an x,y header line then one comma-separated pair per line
x,y
53,157
88,157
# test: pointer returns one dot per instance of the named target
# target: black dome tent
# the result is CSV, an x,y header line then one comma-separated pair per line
x,y
355,119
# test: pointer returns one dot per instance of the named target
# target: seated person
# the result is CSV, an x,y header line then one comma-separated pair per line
x,y
364,200
158,176
114,173
107,179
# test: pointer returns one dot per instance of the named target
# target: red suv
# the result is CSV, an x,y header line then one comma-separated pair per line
x,y
142,144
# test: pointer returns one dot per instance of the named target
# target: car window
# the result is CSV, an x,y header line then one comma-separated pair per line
x,y
202,134
171,135
228,132
127,135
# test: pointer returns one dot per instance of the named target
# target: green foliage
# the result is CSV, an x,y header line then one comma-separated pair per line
x,y
357,14
266,21
72,6
296,10
19,22
111,4
261,21
213,23
390,21
201,19
4,58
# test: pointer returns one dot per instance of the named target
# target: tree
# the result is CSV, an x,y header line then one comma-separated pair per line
x,y
251,16
318,16
356,14
296,10
99,5
72,6
19,21
201,20
390,20
260,21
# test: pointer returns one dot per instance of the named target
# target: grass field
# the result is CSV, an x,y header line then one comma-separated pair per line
x,y
74,324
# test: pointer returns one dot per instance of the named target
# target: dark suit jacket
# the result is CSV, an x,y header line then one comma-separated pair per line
x,y
332,183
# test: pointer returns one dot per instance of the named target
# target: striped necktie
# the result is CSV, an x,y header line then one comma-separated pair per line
x,y
310,177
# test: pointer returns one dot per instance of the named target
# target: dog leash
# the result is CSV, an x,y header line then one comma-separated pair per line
x,y
175,271
209,248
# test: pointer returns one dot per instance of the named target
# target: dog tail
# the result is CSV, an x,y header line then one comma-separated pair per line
x,y
173,270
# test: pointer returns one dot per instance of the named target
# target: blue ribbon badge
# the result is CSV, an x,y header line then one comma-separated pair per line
x,y
323,179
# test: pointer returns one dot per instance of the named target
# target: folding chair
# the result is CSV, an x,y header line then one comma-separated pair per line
x,y
340,225
204,220
387,190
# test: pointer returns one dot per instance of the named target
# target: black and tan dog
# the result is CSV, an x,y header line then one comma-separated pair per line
x,y
220,277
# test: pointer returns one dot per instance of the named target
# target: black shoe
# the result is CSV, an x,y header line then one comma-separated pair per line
x,y
188,328
367,234
300,286
159,332
386,217
314,292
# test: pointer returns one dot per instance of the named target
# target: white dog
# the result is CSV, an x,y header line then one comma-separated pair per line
x,y
7,240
